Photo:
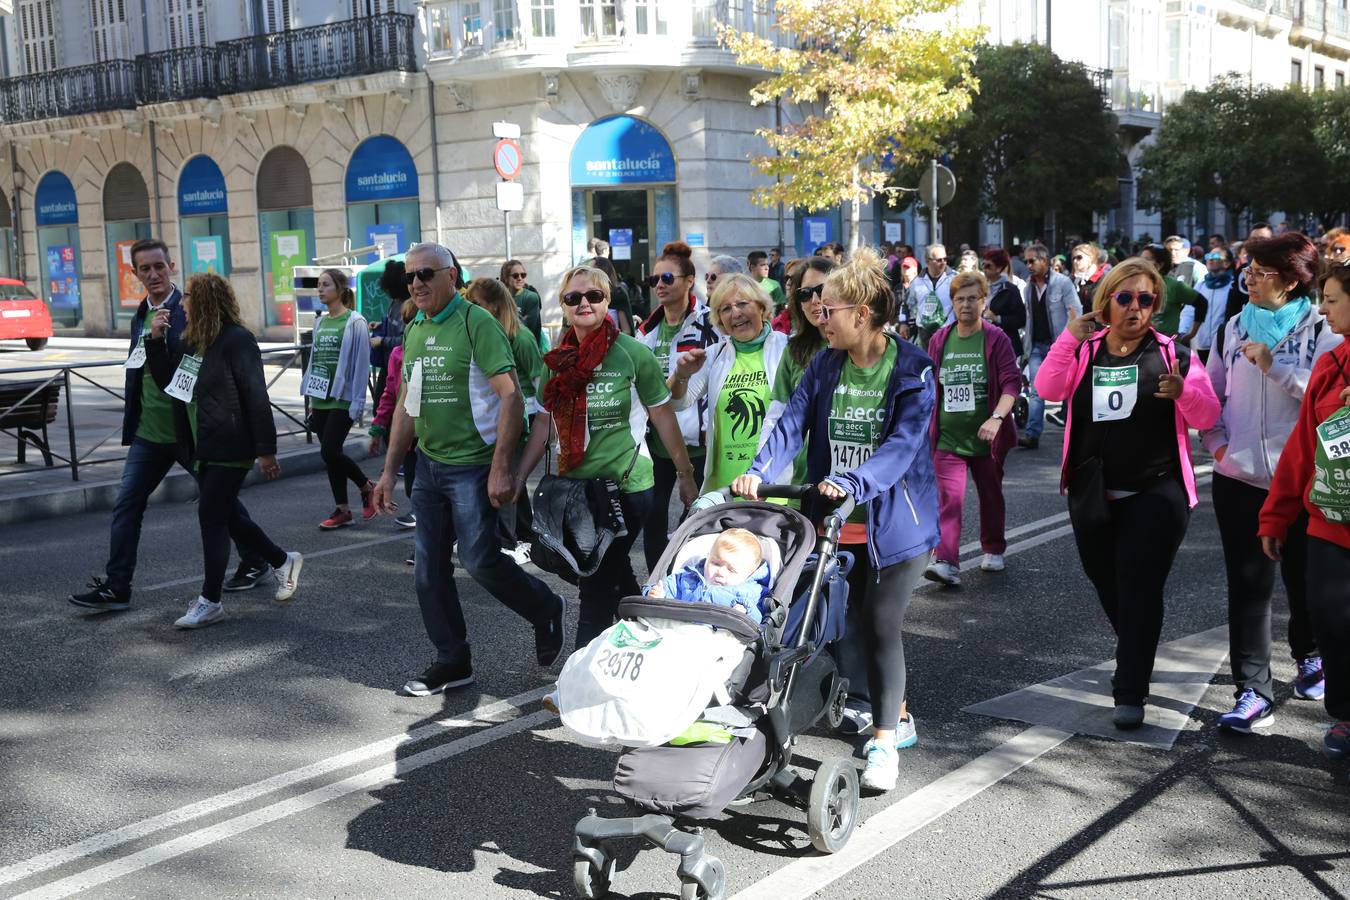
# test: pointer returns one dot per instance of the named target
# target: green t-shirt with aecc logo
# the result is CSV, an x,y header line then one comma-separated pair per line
x,y
627,381
529,364
963,403
857,411
739,410
665,342
323,359
156,421
784,385
459,349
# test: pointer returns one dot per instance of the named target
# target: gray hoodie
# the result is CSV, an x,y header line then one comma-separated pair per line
x,y
1259,411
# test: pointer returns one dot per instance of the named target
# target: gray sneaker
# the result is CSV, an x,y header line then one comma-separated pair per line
x,y
200,613
288,576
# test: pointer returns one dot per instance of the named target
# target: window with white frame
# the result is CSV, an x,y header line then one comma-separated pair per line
x,y
599,18
37,35
108,21
471,21
186,21
505,28
648,17
543,19
373,7
278,15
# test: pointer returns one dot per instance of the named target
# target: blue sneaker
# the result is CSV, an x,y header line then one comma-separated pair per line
x,y
1310,683
883,767
1250,711
1336,744
905,733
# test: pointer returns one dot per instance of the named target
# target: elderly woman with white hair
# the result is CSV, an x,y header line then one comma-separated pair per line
x,y
736,375
718,267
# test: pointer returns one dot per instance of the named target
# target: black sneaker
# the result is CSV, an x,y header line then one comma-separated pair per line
x,y
246,576
550,637
438,678
101,597
1055,418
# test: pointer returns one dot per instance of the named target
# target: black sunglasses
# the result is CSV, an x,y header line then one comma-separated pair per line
x,y
1125,298
519,275
806,295
425,273
574,298
666,278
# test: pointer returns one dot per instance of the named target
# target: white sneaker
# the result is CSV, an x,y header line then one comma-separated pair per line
x,y
943,573
992,562
288,576
200,613
883,767
521,553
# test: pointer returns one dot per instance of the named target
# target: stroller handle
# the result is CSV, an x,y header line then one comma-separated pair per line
x,y
844,507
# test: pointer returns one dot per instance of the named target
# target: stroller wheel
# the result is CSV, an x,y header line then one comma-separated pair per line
x,y
832,809
716,875
835,714
592,883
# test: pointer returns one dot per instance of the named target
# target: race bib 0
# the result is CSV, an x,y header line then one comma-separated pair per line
x,y
958,393
317,383
137,358
1114,392
184,381
850,444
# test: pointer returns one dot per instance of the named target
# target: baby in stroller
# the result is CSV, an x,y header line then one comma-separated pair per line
x,y
733,576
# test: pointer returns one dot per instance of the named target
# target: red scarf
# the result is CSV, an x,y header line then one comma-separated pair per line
x,y
573,363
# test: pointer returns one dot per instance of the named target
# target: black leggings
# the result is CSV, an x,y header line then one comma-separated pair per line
x,y
1251,581
600,592
657,522
1329,610
872,653
1128,562
221,523
332,427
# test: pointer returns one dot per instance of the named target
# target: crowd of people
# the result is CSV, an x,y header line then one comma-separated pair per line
x,y
863,373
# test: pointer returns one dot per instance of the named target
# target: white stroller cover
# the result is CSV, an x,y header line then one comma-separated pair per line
x,y
642,682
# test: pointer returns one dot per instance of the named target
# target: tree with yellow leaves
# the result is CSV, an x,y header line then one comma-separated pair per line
x,y
890,76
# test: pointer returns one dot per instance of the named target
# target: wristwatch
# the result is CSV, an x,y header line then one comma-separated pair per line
x,y
998,416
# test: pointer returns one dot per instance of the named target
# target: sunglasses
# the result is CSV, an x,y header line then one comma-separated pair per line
x,y
806,295
710,277
827,311
1213,256
1145,298
426,274
941,259
519,275
574,298
666,278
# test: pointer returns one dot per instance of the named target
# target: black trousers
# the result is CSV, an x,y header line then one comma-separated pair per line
x,y
601,591
1128,562
222,520
656,522
871,654
332,426
1329,612
1251,582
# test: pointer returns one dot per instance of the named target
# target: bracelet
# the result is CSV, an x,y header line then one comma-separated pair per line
x,y
685,473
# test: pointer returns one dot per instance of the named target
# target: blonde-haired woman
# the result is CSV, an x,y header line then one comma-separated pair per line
x,y
513,518
335,383
224,420
863,410
1132,395
735,375
589,384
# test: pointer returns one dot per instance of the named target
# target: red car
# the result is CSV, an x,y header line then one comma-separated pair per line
x,y
23,314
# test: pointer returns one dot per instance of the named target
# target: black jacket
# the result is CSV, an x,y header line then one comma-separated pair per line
x,y
234,416
131,413
1011,311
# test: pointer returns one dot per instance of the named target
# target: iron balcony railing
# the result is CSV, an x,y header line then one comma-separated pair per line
x,y
360,46
69,92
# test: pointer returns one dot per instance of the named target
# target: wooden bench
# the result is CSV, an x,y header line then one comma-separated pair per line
x,y
31,416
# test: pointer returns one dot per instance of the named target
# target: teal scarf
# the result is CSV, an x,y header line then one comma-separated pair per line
x,y
1269,327
753,344
1213,281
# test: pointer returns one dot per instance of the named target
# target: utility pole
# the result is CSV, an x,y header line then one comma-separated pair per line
x,y
933,207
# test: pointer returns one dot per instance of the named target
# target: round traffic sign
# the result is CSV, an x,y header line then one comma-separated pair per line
x,y
507,159
946,187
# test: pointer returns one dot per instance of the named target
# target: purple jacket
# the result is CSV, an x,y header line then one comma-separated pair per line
x,y
1005,377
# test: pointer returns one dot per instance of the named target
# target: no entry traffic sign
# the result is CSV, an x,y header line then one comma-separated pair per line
x,y
506,158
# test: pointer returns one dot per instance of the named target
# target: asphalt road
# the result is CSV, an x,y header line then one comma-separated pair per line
x,y
269,756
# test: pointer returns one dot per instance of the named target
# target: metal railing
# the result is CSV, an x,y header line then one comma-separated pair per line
x,y
69,92
66,375
178,74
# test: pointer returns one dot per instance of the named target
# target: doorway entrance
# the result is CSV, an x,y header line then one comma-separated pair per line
x,y
624,219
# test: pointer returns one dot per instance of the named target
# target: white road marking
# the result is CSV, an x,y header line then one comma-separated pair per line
x,y
195,840
329,551
135,831
1020,530
806,876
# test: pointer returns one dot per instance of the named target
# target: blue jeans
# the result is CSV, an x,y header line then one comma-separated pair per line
x,y
1035,406
451,504
147,464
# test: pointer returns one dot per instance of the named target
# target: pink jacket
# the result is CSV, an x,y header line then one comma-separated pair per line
x,y
384,410
1064,367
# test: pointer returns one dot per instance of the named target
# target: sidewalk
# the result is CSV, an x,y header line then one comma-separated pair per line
x,y
31,490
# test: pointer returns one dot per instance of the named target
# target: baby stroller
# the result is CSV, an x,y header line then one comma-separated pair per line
x,y
784,685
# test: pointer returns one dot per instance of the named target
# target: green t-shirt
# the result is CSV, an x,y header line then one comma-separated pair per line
x,y
192,424
775,291
459,349
857,410
739,410
323,358
964,399
627,381
1176,294
529,364
665,340
156,422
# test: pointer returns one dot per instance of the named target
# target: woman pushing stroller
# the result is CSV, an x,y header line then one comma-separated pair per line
x,y
863,408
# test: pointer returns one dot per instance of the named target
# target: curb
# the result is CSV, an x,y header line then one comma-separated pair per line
x,y
177,487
